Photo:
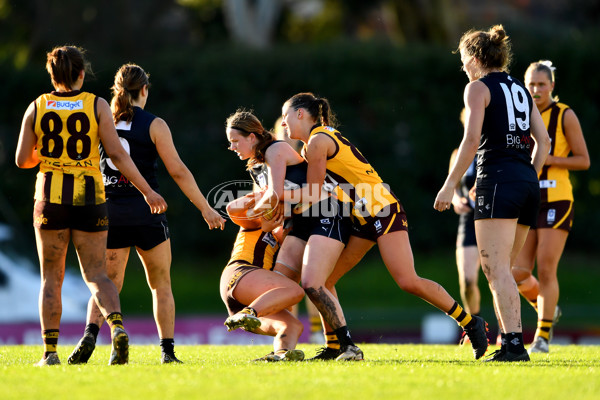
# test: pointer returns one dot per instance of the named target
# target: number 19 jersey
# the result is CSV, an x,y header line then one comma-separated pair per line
x,y
66,126
504,153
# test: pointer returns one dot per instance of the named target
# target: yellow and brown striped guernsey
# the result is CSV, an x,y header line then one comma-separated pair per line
x,y
554,182
66,125
254,247
354,179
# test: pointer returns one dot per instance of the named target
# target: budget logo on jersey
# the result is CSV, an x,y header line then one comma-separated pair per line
x,y
64,105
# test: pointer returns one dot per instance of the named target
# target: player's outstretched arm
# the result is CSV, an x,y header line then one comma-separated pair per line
x,y
163,140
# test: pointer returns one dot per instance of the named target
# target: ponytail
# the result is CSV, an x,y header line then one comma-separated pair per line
x,y
318,108
64,64
493,48
129,81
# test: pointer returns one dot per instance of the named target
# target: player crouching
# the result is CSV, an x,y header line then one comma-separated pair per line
x,y
258,299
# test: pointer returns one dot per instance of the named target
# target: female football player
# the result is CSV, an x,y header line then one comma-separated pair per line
x,y
504,126
272,164
146,138
377,217
61,131
257,298
546,243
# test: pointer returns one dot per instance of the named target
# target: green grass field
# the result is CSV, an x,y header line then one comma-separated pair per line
x,y
225,372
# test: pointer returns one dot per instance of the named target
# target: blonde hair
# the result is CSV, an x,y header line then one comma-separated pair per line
x,y
546,67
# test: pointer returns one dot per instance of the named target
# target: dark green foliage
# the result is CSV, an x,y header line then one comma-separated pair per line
x,y
399,106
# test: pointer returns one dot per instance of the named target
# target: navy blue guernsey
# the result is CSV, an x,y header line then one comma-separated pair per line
x,y
506,142
468,181
294,174
126,204
295,177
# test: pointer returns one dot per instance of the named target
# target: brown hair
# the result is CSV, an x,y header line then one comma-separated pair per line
x,y
247,123
491,48
129,80
318,108
65,63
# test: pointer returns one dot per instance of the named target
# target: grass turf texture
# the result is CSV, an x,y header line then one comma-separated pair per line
x,y
225,372
371,299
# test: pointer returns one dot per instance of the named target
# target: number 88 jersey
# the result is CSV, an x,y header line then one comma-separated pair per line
x,y
504,153
66,126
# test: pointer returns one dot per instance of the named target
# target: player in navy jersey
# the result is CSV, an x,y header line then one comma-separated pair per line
x,y
502,127
273,165
60,132
146,138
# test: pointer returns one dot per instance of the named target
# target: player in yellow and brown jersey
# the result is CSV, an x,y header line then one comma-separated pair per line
x,y
60,132
272,164
546,243
256,297
378,218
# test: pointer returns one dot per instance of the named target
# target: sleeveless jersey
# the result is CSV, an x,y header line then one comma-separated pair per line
x,y
126,203
295,175
554,182
254,247
506,142
66,126
350,176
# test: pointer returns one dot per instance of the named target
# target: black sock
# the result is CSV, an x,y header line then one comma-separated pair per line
x,y
502,341
92,330
344,337
514,342
167,346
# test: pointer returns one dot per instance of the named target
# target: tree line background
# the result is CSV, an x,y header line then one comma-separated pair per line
x,y
387,68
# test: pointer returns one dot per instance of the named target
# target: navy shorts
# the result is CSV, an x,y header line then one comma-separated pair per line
x,y
145,237
466,230
328,221
520,200
89,218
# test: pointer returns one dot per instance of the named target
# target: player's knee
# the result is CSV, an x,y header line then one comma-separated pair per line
x,y
547,277
297,293
311,285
